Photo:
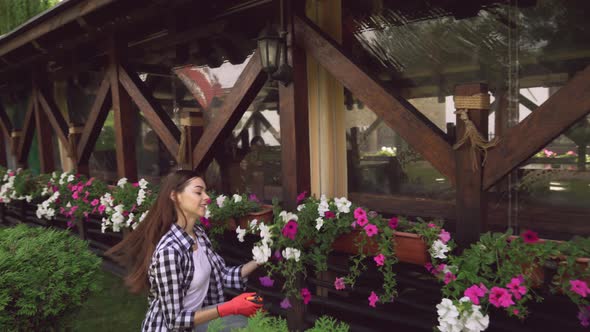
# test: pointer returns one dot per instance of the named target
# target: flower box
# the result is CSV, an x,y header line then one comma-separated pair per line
x,y
265,215
409,247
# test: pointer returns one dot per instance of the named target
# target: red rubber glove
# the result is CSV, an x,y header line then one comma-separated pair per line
x,y
238,306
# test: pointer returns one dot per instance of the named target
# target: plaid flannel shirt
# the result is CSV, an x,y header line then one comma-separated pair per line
x,y
170,274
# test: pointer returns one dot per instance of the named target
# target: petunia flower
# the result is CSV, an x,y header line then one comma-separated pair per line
x,y
500,297
329,215
379,259
444,236
373,298
339,284
285,303
530,236
516,288
580,287
266,281
475,292
359,212
241,233
290,229
301,197
306,295
371,230
393,222
362,221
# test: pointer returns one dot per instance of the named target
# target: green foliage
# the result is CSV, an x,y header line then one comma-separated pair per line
x,y
15,12
46,276
223,208
329,324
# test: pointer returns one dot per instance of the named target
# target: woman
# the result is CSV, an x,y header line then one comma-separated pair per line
x,y
169,254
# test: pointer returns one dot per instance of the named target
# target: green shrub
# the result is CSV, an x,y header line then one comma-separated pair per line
x,y
46,276
262,322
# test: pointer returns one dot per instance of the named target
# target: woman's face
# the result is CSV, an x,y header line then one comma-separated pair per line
x,y
193,199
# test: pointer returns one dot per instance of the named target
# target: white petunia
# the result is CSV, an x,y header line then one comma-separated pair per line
x,y
71,178
343,204
241,233
300,207
291,253
448,317
237,198
265,233
121,182
319,223
261,254
219,200
140,197
287,216
207,213
142,216
439,249
253,224
323,207
143,184
474,320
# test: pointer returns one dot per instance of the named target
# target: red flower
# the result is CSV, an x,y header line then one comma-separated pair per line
x,y
393,222
301,197
329,215
530,236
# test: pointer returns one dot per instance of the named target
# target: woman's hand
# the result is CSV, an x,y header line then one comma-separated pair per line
x,y
239,305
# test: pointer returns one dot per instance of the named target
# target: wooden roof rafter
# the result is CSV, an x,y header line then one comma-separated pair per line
x,y
425,137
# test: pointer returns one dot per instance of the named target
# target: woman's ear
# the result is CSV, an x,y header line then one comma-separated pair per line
x,y
173,196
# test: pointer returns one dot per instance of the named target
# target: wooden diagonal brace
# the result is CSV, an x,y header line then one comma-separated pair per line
x,y
548,121
96,117
156,117
235,104
53,114
27,134
425,137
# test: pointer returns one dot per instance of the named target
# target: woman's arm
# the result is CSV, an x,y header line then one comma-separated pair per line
x,y
248,268
205,315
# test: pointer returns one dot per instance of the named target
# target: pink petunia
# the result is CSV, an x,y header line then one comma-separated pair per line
x,y
362,221
329,215
94,202
89,182
290,229
444,236
253,198
101,209
371,230
580,287
205,222
431,225
393,222
285,303
530,236
379,259
584,316
373,298
306,295
339,284
75,195
500,297
301,197
449,277
516,288
135,184
359,212
266,281
475,292
278,255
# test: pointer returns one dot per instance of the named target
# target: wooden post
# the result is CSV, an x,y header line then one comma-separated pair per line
x,y
471,199
125,119
44,140
192,127
294,121
74,136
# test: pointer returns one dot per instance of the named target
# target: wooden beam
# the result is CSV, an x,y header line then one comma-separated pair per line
x,y
5,123
44,140
46,23
98,114
125,117
470,198
153,113
52,113
27,134
294,122
425,137
3,140
554,116
235,104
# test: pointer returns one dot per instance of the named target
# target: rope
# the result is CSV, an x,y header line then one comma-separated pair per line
x,y
182,146
480,101
476,141
72,148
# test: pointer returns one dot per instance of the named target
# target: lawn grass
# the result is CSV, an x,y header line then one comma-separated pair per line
x,y
111,309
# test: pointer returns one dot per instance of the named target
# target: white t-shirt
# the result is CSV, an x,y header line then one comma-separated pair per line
x,y
200,283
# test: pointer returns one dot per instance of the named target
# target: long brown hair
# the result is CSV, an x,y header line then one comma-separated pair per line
x,y
136,250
